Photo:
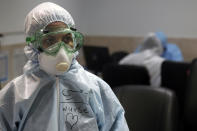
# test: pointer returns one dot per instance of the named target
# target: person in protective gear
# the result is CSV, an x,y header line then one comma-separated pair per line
x,y
55,93
170,51
149,57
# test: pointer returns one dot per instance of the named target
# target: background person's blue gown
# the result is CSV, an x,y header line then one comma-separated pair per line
x,y
171,51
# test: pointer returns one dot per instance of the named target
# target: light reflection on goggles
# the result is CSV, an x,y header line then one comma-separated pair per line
x,y
51,42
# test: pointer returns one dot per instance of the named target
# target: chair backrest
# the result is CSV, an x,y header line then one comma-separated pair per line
x,y
96,57
148,108
174,76
117,56
190,112
116,75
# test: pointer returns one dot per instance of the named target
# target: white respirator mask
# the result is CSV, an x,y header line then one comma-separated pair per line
x,y
56,65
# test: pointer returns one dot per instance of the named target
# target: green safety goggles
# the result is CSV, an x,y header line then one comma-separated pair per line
x,y
50,41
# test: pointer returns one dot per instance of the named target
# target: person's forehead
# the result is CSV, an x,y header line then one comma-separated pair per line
x,y
57,24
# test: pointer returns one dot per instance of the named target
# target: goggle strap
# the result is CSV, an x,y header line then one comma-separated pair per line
x,y
30,39
73,29
40,49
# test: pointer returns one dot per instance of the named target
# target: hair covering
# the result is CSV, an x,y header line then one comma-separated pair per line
x,y
74,101
171,51
153,43
44,14
149,57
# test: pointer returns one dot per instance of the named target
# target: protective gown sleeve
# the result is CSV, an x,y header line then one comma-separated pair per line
x,y
108,110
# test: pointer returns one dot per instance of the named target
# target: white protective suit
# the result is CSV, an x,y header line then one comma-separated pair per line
x,y
149,57
74,101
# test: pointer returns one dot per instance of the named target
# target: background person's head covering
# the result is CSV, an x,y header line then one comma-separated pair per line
x,y
162,37
171,51
38,18
151,42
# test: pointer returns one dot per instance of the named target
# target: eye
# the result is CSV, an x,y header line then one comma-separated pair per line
x,y
48,41
67,39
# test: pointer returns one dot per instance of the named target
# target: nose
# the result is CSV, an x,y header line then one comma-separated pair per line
x,y
59,39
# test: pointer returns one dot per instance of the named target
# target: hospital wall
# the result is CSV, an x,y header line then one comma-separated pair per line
x,y
177,18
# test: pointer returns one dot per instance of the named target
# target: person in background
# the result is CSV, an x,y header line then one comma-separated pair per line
x,y
171,51
149,56
55,93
